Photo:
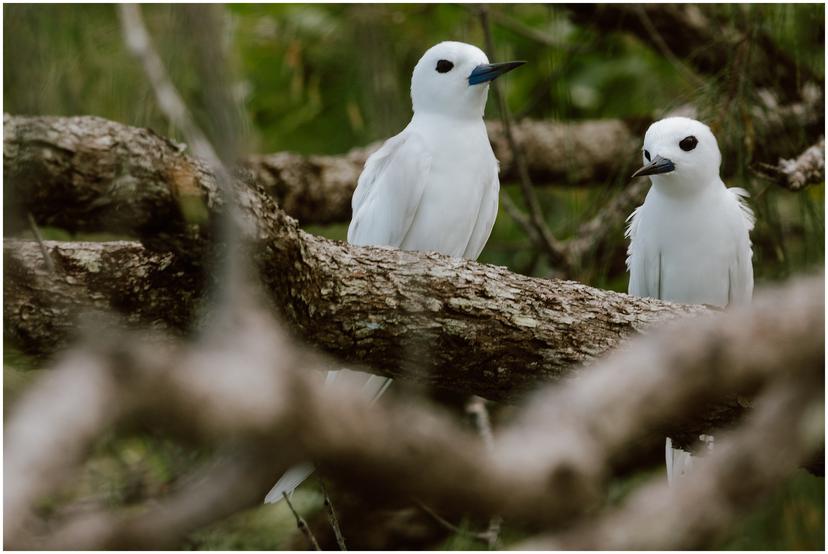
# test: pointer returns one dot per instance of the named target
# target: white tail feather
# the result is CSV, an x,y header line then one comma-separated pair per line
x,y
678,461
288,482
373,387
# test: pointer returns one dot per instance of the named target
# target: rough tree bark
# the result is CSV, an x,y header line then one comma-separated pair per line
x,y
438,320
446,322
149,289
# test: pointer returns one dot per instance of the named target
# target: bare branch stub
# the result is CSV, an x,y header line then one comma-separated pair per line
x,y
806,170
332,518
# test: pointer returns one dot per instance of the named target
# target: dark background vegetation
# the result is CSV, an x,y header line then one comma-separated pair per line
x,y
322,79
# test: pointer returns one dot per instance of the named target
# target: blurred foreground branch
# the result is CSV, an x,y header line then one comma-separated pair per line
x,y
546,469
786,425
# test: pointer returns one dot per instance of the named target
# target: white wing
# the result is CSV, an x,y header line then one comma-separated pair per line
x,y
485,219
740,273
389,191
643,260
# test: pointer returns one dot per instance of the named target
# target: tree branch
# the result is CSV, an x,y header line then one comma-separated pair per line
x,y
468,327
807,169
318,189
739,472
440,321
545,469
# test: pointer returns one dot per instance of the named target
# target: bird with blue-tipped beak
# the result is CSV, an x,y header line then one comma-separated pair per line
x,y
434,186
689,241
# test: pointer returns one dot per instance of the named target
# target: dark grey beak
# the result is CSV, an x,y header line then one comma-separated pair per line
x,y
486,72
658,165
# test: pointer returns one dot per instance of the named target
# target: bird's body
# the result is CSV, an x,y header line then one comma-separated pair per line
x,y
432,187
689,241
692,249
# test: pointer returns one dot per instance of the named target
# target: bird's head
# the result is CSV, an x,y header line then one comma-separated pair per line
x,y
680,152
452,78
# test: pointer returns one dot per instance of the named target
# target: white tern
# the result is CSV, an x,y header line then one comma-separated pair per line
x,y
434,186
689,241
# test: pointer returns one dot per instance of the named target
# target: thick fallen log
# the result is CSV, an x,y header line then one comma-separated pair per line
x,y
438,320
441,321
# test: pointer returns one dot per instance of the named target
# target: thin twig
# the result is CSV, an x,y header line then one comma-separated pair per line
x,y
477,407
232,269
334,521
665,49
483,537
301,523
47,259
521,219
543,236
524,30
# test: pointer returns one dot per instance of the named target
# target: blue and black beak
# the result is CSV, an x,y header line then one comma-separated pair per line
x,y
658,165
486,72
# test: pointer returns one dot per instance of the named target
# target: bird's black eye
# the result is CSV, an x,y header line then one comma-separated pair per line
x,y
444,66
688,143
647,155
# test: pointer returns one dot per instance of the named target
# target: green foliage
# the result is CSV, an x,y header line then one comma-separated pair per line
x,y
268,527
19,371
793,518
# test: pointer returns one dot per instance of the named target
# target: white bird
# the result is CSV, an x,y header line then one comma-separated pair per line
x,y
434,186
689,241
